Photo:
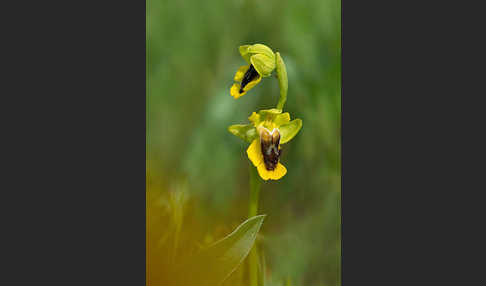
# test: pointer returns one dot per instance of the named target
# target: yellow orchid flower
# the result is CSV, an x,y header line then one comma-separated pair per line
x,y
268,130
261,62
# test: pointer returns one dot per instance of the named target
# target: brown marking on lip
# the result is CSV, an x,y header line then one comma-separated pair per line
x,y
250,75
270,145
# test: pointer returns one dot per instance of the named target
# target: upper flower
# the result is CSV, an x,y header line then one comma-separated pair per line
x,y
268,130
261,62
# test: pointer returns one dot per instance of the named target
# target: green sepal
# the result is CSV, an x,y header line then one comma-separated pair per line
x,y
289,130
260,56
263,64
247,132
261,49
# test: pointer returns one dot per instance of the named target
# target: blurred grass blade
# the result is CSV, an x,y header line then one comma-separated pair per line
x,y
213,265
262,265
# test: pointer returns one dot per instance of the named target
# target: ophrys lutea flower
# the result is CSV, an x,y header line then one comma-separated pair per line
x,y
269,129
261,63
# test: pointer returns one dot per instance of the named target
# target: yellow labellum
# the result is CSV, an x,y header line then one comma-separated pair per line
x,y
240,73
255,155
235,90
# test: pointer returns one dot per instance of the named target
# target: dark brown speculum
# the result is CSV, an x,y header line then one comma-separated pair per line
x,y
270,145
250,75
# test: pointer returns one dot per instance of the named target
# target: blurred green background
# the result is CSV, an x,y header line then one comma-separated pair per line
x,y
197,172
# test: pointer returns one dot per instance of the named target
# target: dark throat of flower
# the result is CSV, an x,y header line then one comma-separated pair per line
x,y
271,157
250,75
270,146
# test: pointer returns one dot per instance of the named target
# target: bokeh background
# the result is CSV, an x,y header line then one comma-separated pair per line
x,y
197,172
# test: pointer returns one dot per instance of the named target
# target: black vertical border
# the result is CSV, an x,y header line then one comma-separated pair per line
x,y
411,160
73,190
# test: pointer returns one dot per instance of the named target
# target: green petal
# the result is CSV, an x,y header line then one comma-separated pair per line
x,y
261,49
283,81
246,132
289,130
263,64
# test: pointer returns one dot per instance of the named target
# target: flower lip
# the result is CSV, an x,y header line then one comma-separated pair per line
x,y
270,147
266,124
250,75
255,155
247,78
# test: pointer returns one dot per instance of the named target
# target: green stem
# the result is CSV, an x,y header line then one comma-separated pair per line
x,y
281,102
255,184
254,191
283,81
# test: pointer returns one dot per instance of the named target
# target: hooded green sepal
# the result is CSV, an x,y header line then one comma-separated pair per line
x,y
261,49
289,130
247,132
283,81
264,65
260,56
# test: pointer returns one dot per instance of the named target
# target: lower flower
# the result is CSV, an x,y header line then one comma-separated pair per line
x,y
265,152
269,128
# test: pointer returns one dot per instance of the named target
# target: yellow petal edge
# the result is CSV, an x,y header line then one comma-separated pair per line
x,y
235,91
241,72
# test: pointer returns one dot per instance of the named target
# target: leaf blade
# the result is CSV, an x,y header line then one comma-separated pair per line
x,y
214,264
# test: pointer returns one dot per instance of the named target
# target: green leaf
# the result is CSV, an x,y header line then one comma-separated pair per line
x,y
289,130
246,132
283,81
214,264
